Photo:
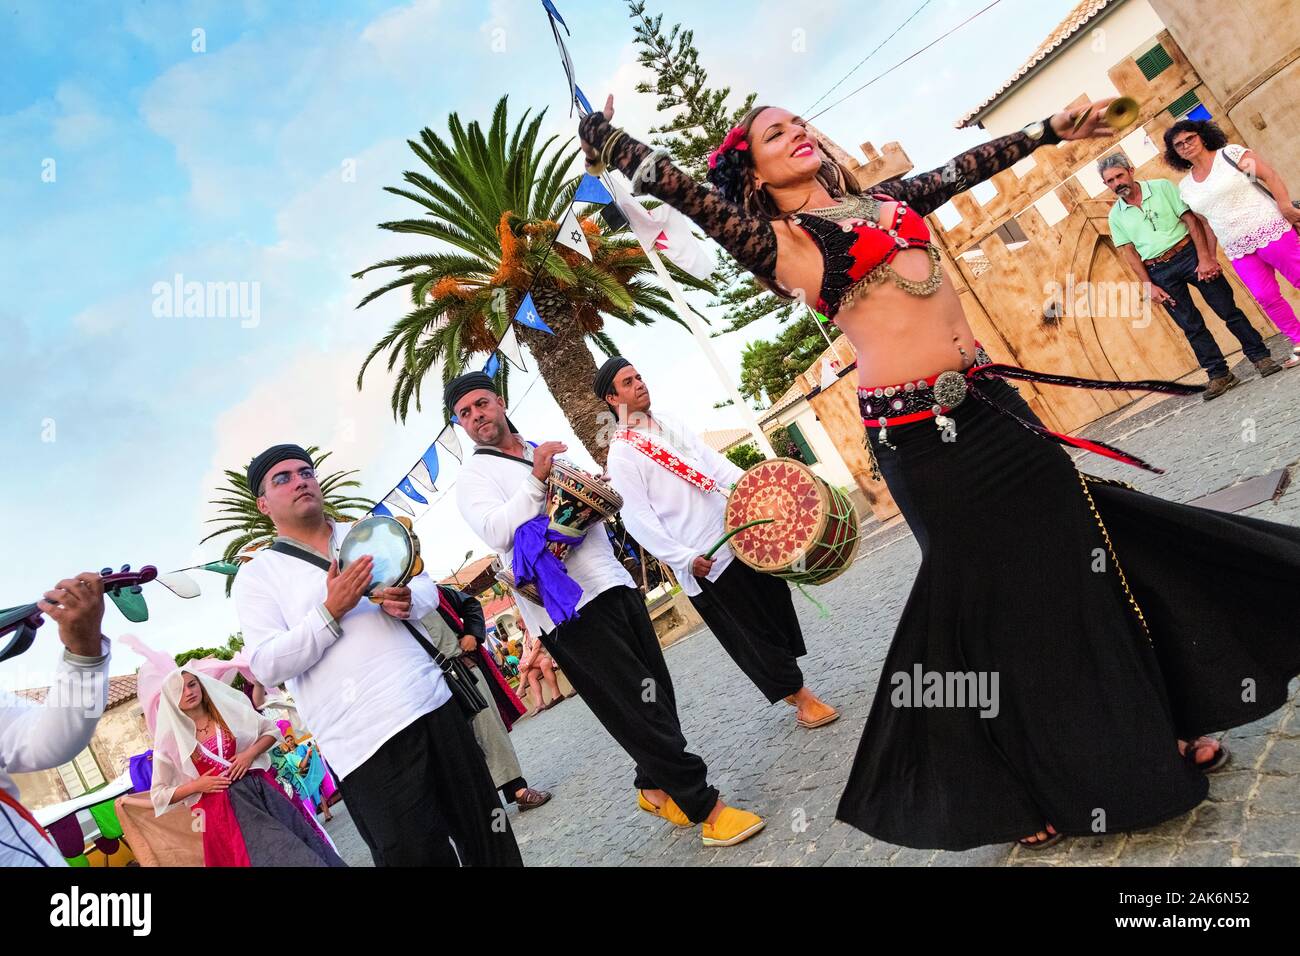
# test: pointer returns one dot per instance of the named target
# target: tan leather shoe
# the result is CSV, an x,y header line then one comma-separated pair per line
x,y
1218,386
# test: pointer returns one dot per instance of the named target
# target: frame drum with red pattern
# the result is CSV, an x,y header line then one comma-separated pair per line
x,y
814,536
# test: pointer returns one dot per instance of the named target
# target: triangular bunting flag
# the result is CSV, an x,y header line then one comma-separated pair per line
x,y
448,440
829,377
661,242
395,500
381,510
426,468
509,349
220,567
492,365
421,476
591,189
571,236
407,488
527,315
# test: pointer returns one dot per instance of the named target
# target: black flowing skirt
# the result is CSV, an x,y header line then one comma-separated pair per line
x,y
1114,623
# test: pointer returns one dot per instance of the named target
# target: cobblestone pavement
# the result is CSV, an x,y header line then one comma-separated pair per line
x,y
761,760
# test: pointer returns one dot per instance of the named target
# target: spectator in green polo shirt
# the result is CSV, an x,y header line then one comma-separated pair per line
x,y
1162,241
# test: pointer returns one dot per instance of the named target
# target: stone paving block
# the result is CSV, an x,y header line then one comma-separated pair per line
x,y
1216,823
1204,854
1271,834
1228,785
1283,757
1276,795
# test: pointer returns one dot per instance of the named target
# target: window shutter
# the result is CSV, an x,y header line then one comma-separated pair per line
x,y
805,450
1154,62
1184,104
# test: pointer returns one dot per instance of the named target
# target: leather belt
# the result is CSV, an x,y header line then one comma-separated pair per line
x,y
1169,253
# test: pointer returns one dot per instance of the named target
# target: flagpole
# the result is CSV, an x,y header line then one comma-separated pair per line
x,y
702,339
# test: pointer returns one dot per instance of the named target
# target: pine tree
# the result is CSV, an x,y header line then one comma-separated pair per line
x,y
700,123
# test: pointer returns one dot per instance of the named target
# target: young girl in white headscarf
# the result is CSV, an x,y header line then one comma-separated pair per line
x,y
210,753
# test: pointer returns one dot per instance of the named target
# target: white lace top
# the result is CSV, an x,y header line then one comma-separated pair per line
x,y
1242,217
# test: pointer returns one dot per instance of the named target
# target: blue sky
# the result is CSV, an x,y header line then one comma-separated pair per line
x,y
227,165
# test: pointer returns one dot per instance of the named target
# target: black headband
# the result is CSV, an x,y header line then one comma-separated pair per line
x,y
263,463
462,385
604,381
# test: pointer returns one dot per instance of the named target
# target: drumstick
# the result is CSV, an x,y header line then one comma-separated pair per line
x,y
731,534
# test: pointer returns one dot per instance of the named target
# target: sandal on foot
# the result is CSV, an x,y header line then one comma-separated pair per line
x,y
1052,840
833,716
1221,756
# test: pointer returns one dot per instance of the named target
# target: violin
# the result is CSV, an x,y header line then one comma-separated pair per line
x,y
23,621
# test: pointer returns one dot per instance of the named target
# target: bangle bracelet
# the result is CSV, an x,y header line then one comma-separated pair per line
x,y
606,151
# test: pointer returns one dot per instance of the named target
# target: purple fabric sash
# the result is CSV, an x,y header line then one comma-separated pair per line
x,y
142,772
535,563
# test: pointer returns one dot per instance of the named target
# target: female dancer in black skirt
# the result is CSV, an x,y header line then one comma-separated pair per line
x,y
1118,626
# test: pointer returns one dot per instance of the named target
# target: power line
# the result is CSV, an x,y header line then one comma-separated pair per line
x,y
925,4
906,59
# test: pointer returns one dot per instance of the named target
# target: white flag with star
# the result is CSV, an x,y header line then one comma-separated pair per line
x,y
571,235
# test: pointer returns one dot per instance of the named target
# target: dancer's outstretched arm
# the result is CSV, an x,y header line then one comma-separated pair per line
x,y
749,239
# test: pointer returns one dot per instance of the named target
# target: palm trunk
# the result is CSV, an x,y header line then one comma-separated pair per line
x,y
568,368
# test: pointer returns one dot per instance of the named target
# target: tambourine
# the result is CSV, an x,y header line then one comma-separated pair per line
x,y
391,544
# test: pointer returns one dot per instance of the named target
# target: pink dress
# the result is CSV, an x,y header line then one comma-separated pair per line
x,y
223,839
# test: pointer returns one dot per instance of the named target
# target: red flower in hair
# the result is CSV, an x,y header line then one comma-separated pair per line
x,y
735,139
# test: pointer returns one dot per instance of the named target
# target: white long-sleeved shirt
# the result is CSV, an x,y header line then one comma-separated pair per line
x,y
671,518
357,681
35,737
496,496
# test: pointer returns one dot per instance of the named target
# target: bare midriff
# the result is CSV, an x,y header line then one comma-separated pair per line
x,y
897,336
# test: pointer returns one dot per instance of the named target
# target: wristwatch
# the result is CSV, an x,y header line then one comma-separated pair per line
x,y
1035,130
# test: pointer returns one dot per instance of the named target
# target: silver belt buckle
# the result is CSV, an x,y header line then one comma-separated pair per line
x,y
949,389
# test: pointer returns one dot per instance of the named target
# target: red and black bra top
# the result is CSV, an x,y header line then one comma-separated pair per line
x,y
852,249
751,240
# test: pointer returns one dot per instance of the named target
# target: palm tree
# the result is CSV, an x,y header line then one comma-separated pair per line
x,y
254,530
496,201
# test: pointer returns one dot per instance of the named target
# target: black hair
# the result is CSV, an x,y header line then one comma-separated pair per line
x,y
1212,138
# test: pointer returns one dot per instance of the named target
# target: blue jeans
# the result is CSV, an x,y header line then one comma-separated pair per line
x,y
1175,276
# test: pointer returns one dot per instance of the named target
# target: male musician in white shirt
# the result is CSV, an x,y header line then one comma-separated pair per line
x,y
674,505
412,774
595,623
42,736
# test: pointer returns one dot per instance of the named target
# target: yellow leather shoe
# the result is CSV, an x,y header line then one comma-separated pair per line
x,y
733,826
670,811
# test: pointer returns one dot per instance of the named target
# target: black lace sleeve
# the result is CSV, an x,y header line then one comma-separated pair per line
x,y
926,192
750,239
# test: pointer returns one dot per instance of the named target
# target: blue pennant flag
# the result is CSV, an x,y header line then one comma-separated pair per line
x,y
430,461
382,510
582,98
527,315
493,365
550,8
592,189
407,488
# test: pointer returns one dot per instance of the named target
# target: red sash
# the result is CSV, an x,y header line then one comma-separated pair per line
x,y
665,458
24,813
